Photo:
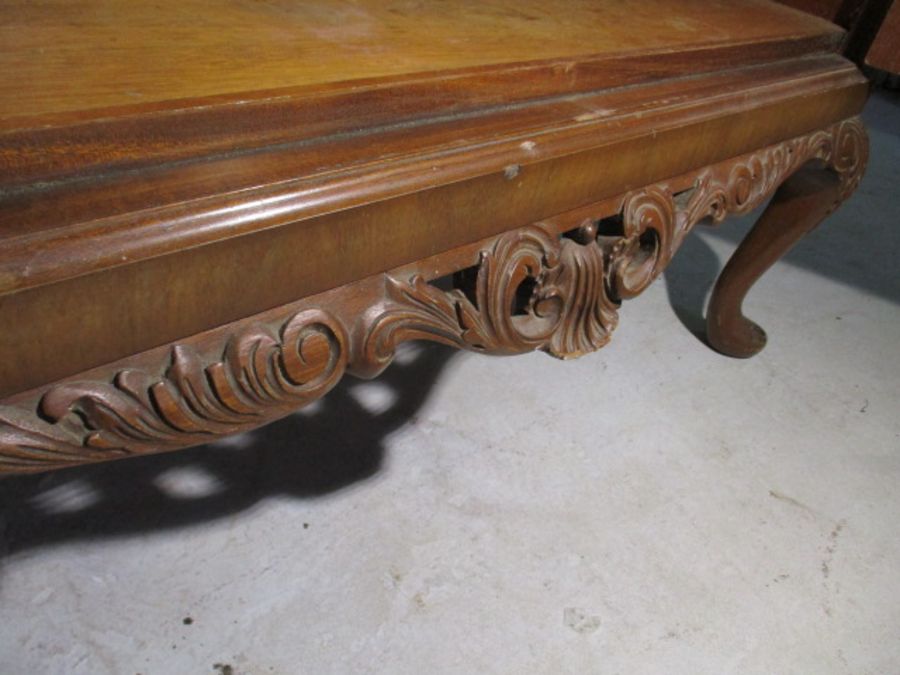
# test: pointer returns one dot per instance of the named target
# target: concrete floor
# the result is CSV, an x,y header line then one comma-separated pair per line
x,y
652,508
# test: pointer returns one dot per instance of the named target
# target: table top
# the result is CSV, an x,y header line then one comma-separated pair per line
x,y
166,169
61,56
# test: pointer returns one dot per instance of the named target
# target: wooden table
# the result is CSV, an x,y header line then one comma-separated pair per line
x,y
209,213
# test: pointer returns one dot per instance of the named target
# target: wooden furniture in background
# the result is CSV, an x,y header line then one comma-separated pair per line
x,y
873,28
885,50
208,217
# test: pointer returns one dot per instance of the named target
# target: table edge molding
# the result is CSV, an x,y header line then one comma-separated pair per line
x,y
554,285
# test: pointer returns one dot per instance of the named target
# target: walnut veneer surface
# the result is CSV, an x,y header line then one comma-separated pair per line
x,y
71,56
209,213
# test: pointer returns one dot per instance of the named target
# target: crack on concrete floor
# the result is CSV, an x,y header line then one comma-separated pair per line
x,y
789,500
827,560
829,550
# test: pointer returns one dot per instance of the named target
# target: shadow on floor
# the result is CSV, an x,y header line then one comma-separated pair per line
x,y
334,443
340,442
689,278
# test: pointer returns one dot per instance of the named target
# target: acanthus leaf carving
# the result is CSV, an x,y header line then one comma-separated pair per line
x,y
259,378
531,289
576,287
415,309
565,308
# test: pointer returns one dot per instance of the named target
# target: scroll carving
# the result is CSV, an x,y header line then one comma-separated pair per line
x,y
844,148
567,311
260,377
531,289
576,286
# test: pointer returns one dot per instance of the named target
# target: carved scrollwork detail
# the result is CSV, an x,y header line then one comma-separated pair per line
x,y
531,289
415,309
850,155
29,443
579,286
260,377
576,287
645,250
843,148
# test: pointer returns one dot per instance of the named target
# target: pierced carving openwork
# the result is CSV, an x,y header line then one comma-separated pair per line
x,y
532,289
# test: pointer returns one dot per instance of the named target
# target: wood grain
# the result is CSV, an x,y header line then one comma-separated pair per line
x,y
541,286
286,255
62,56
797,207
180,187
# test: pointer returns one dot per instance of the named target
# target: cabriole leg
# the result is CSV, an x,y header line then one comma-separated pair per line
x,y
800,204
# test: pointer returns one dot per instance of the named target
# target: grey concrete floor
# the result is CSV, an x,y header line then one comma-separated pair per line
x,y
652,508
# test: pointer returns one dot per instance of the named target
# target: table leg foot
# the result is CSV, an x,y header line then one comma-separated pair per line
x,y
798,206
